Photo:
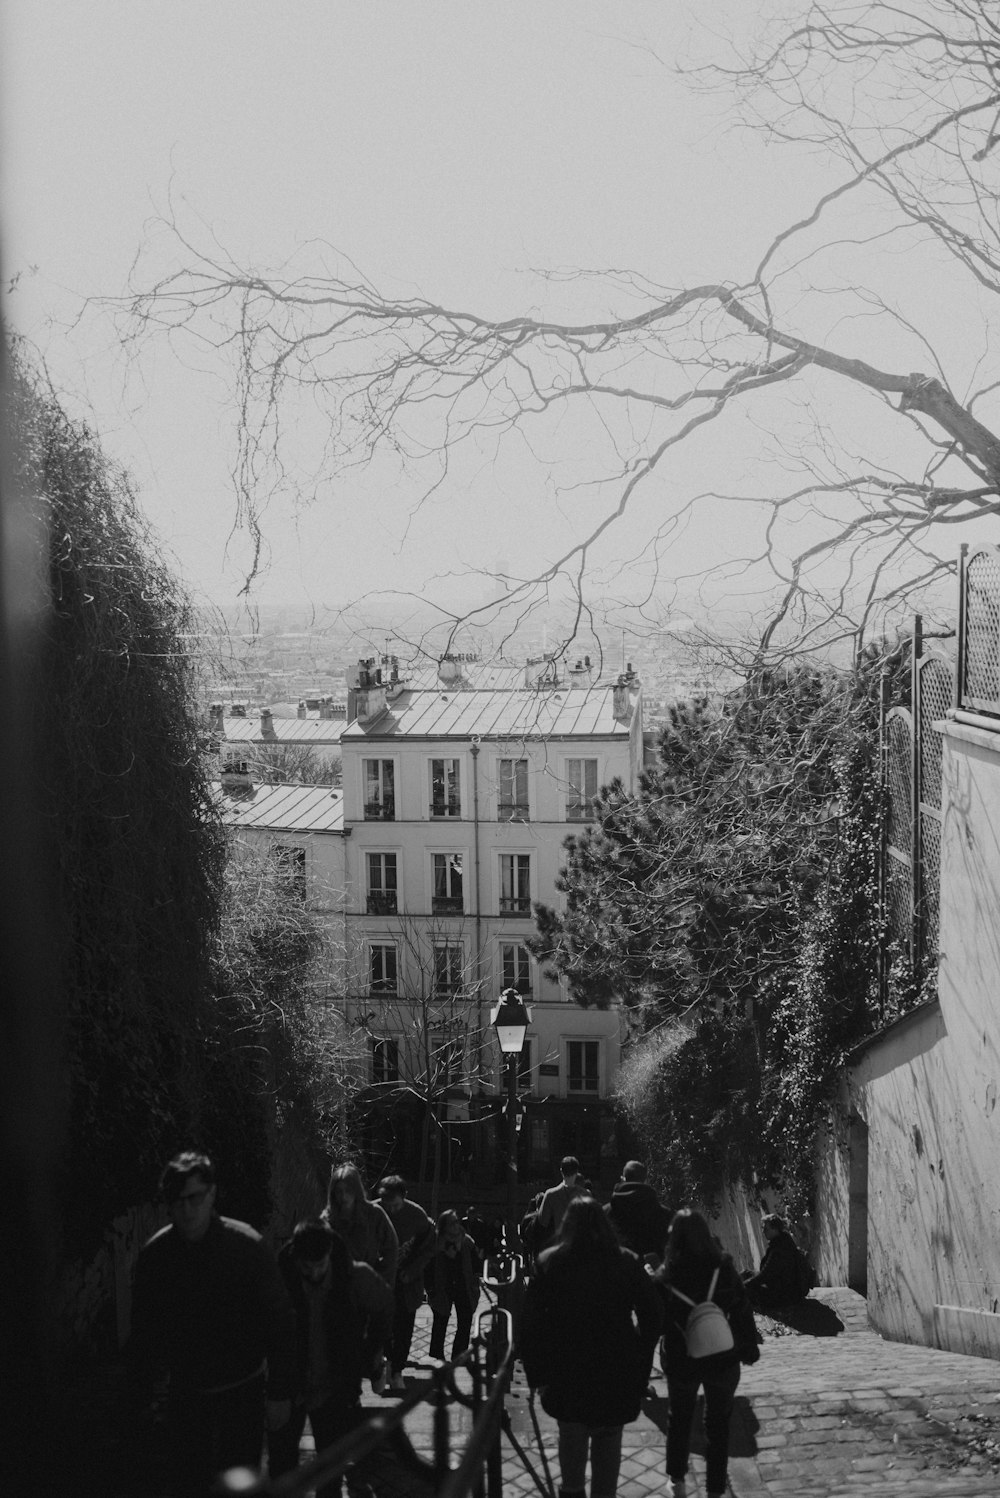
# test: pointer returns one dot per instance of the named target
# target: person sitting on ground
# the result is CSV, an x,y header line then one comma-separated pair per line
x,y
589,1326
417,1242
452,1279
637,1216
778,1281
343,1316
692,1260
362,1224
557,1199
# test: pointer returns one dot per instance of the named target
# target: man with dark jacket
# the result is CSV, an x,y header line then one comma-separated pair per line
x,y
417,1241
343,1315
557,1199
210,1309
636,1214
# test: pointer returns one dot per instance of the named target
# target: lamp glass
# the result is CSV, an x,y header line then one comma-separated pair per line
x,y
510,1019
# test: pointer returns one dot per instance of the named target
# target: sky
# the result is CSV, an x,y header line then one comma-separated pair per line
x,y
447,149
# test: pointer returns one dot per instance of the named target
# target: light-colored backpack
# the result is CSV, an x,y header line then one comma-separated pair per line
x,y
706,1330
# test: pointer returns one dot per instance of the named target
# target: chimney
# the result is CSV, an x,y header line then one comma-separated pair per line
x,y
216,716
449,671
266,724
621,699
369,703
236,778
302,710
326,707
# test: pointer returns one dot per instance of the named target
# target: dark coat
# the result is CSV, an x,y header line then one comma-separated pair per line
x,y
693,1280
211,1312
638,1218
357,1322
417,1242
579,1344
436,1276
777,1280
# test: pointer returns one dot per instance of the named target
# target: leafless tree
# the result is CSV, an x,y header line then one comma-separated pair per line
x,y
427,1028
826,376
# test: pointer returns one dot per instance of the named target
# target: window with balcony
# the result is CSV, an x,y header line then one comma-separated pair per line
x,y
583,1066
291,866
449,969
380,790
515,884
446,796
382,968
516,966
381,883
385,1058
582,777
512,790
446,893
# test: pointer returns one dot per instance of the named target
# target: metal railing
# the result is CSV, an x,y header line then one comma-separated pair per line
x,y
380,1453
978,673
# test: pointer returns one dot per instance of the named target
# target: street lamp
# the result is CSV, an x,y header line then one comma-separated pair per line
x,y
510,1018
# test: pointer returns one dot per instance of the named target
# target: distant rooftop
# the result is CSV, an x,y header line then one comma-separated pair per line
x,y
283,730
283,808
563,712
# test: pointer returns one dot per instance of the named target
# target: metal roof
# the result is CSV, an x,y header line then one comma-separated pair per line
x,y
284,730
284,808
562,713
472,676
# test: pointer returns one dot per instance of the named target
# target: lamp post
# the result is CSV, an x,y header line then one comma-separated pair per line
x,y
510,1018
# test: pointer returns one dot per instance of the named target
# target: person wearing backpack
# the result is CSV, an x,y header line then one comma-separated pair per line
x,y
588,1330
708,1330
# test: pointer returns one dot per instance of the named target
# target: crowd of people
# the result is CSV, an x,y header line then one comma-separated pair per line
x,y
255,1345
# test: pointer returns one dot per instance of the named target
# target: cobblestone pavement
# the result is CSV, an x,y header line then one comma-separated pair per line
x,y
832,1414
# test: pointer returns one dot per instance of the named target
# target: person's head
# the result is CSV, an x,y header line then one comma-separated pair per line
x,y
450,1229
347,1190
318,1252
187,1185
690,1241
585,1232
569,1168
392,1193
772,1225
634,1171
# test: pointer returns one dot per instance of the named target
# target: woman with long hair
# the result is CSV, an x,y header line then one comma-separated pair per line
x,y
581,1348
694,1267
452,1281
362,1224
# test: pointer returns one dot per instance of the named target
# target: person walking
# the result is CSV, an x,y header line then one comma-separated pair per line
x,y
693,1266
209,1307
417,1242
557,1199
343,1317
581,1348
637,1215
362,1224
452,1278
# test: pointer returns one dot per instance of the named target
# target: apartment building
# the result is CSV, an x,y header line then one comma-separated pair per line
x,y
460,786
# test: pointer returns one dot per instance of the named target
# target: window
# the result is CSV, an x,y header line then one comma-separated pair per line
x,y
446,1059
385,1058
449,962
583,1065
291,866
516,966
512,792
380,790
381,883
515,884
446,798
446,897
382,976
582,777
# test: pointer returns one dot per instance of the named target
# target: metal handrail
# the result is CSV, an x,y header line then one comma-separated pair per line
x,y
482,1449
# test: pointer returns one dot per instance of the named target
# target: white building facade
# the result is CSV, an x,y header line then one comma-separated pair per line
x,y
458,796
